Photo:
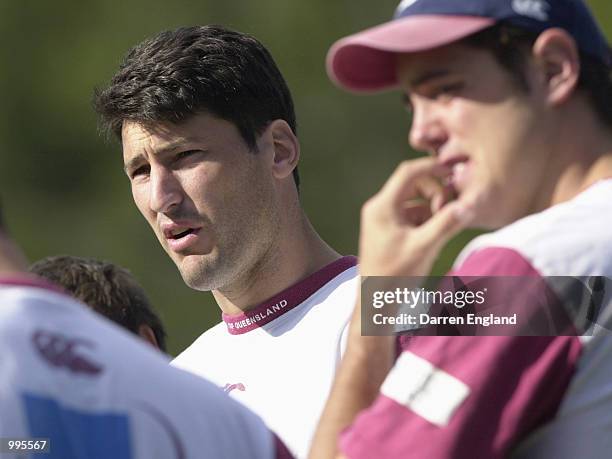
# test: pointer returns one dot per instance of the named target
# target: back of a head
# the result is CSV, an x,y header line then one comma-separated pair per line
x,y
177,74
108,289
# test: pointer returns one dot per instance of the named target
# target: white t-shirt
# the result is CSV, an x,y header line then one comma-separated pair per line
x,y
95,391
279,358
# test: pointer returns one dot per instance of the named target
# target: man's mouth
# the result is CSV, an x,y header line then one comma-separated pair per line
x,y
462,174
461,171
180,237
181,234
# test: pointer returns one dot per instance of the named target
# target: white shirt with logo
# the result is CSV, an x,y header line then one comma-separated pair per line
x,y
279,358
95,391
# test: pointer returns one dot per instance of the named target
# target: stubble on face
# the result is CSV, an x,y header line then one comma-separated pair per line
x,y
485,118
244,222
227,190
244,248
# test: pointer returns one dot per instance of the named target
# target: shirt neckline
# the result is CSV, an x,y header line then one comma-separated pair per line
x,y
285,301
29,280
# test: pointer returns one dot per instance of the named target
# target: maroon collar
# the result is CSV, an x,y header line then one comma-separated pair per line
x,y
286,300
29,280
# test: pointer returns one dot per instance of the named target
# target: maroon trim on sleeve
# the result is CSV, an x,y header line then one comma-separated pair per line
x,y
287,299
281,450
516,384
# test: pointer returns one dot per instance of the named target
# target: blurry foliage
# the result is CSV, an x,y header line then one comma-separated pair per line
x,y
63,187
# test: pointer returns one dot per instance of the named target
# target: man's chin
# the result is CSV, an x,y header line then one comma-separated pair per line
x,y
198,281
200,273
477,198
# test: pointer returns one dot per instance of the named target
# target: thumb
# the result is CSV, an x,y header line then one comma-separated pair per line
x,y
445,224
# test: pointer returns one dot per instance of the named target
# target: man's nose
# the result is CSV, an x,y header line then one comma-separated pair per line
x,y
165,192
427,132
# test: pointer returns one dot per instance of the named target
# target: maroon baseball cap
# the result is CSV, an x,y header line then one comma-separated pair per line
x,y
365,61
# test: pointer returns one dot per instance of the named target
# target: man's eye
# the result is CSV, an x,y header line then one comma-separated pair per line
x,y
142,170
185,154
448,90
407,103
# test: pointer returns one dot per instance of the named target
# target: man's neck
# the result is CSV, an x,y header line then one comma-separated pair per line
x,y
580,156
579,177
298,255
592,162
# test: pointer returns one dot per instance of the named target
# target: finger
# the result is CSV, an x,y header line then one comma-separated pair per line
x,y
443,197
437,202
431,196
428,186
445,224
435,191
415,212
403,185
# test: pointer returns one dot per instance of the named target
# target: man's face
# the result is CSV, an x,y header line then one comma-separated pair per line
x,y
469,112
209,199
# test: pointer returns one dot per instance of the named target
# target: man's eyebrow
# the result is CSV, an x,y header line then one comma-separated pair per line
x,y
169,147
427,76
133,163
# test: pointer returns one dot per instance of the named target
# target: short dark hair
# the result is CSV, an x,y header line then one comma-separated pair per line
x,y
105,287
179,73
511,45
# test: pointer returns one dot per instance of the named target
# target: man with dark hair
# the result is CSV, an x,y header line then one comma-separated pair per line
x,y
109,290
73,386
512,100
208,132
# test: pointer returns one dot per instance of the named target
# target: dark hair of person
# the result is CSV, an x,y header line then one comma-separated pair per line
x,y
107,288
511,45
199,69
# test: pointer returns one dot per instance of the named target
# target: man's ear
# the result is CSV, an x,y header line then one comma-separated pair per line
x,y
286,148
558,61
146,333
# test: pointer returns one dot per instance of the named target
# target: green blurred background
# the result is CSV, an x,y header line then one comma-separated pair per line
x,y
63,188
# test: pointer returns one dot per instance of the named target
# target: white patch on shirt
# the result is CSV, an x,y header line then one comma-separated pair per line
x,y
428,391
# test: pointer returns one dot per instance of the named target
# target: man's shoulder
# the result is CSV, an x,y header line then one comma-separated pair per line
x,y
338,285
215,336
58,332
341,288
332,305
46,337
560,240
